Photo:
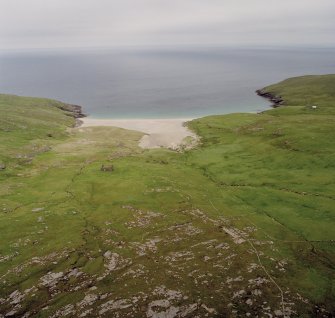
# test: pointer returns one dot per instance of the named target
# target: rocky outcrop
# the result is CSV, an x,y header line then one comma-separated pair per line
x,y
276,100
72,110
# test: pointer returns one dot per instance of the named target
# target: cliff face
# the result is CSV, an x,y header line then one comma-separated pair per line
x,y
72,110
276,100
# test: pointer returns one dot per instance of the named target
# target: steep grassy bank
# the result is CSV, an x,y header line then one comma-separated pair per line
x,y
240,226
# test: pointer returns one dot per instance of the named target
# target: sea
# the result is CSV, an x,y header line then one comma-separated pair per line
x,y
133,82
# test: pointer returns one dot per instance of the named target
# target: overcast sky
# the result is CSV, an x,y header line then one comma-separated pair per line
x,y
104,23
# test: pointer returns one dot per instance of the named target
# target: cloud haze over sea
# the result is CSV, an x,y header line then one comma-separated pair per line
x,y
105,23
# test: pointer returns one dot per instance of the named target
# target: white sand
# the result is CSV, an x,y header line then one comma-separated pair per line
x,y
169,133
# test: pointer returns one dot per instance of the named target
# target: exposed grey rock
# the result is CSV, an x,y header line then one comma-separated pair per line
x,y
11,313
67,310
51,279
187,310
16,297
86,312
114,305
142,218
161,309
249,302
148,246
40,219
209,310
113,261
37,209
88,300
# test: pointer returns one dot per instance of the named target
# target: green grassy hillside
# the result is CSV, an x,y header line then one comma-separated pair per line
x,y
31,125
242,225
306,91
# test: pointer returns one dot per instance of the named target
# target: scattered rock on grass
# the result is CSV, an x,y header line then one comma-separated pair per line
x,y
108,168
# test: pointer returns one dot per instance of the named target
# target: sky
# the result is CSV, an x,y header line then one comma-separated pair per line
x,y
34,24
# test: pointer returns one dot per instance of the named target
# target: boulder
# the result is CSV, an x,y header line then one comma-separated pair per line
x,y
108,168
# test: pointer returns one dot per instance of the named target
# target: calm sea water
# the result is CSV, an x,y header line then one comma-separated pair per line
x,y
158,83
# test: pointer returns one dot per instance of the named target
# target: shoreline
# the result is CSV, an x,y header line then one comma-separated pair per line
x,y
171,133
277,101
168,133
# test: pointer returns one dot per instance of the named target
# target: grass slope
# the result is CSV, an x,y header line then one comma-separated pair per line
x,y
240,226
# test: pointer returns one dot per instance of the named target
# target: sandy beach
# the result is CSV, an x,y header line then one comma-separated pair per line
x,y
169,133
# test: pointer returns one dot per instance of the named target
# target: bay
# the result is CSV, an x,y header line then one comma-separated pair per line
x,y
158,83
